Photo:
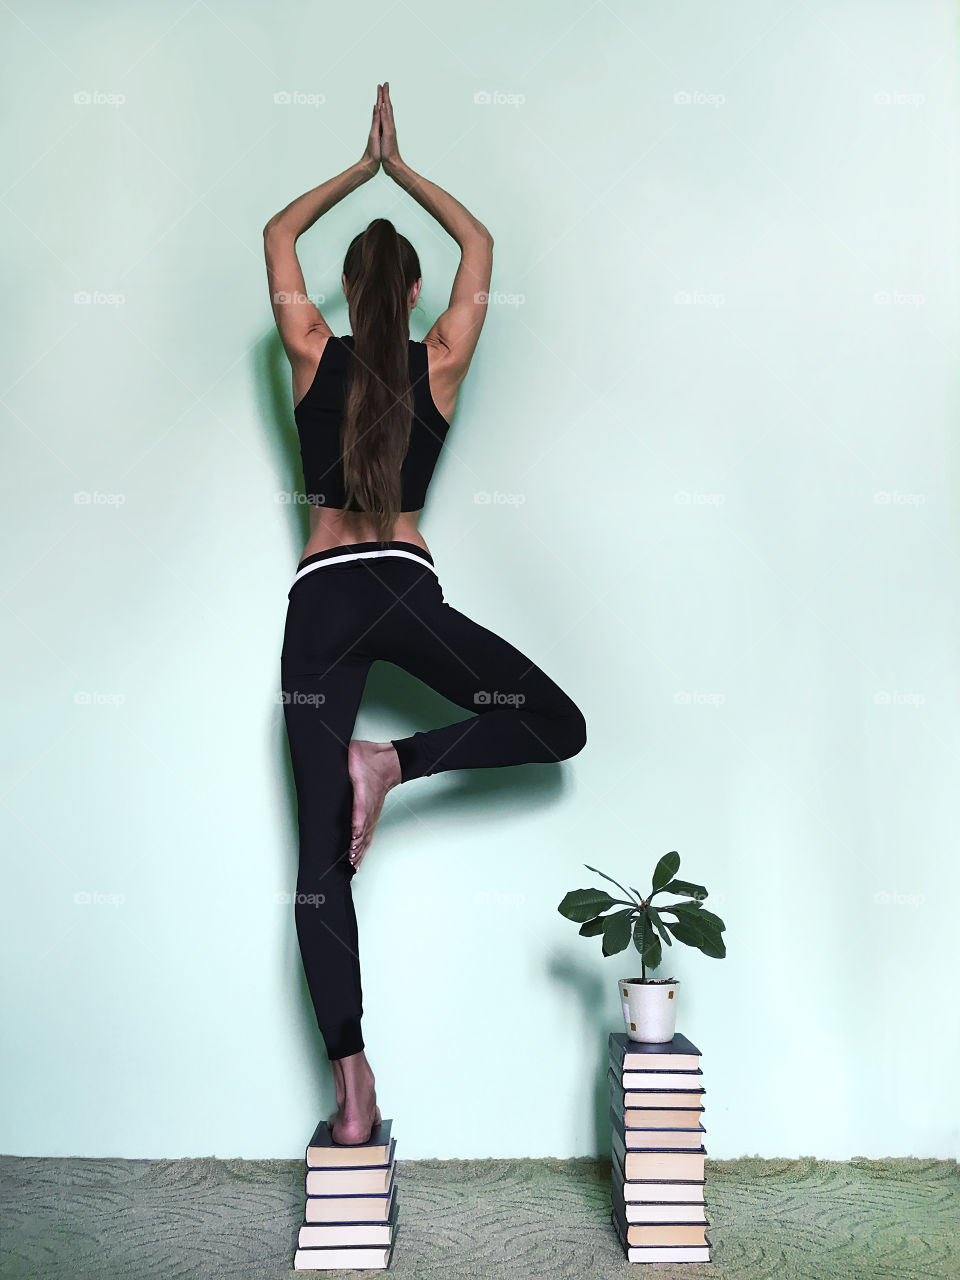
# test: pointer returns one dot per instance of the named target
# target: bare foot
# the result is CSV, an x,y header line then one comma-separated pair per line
x,y
358,1113
374,770
340,1088
353,1132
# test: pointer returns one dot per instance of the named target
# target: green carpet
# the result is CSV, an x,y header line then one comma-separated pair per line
x,y
479,1219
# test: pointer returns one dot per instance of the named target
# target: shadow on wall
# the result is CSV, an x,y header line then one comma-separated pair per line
x,y
274,399
588,989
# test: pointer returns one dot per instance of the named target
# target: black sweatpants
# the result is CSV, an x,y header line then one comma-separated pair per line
x,y
348,608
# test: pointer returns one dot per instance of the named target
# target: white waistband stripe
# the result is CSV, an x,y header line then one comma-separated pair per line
x,y
361,555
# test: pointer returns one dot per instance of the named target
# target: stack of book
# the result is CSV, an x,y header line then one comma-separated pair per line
x,y
658,1205
350,1215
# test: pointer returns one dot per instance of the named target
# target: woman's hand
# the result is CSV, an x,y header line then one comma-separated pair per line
x,y
372,156
389,155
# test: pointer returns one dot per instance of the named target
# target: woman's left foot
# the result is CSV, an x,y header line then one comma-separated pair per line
x,y
374,770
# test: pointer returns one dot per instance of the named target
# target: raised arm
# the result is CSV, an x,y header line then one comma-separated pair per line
x,y
299,320
457,331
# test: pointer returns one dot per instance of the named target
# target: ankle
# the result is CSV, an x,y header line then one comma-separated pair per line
x,y
391,760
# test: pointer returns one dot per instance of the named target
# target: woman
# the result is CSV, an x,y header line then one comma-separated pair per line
x,y
372,410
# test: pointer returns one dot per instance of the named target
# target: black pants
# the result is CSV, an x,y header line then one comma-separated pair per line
x,y
348,608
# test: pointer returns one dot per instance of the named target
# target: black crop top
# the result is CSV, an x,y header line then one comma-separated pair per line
x,y
318,417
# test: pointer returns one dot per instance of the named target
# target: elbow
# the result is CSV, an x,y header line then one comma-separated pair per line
x,y
483,235
272,227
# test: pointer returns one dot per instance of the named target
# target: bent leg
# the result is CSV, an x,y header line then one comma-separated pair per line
x,y
522,716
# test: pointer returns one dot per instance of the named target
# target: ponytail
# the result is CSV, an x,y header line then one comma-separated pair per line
x,y
380,267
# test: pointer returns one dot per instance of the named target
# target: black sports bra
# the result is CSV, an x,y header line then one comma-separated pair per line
x,y
318,417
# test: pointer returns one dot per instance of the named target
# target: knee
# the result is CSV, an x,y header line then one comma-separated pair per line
x,y
571,734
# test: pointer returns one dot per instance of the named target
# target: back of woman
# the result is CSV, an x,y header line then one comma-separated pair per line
x,y
373,411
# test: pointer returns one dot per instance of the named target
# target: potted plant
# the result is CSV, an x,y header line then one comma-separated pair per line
x,y
649,1006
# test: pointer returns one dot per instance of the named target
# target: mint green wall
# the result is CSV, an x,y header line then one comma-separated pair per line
x,y
725,327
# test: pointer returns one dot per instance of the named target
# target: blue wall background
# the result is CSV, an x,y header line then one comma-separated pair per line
x,y
711,412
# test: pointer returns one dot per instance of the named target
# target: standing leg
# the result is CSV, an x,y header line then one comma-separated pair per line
x,y
319,712
323,670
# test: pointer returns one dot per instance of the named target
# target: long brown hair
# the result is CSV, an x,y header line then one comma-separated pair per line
x,y
380,267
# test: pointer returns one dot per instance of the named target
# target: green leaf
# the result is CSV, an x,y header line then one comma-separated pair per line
x,y
616,931
697,915
712,945
684,909
641,932
709,918
665,870
592,927
684,886
686,931
654,915
606,877
652,954
584,904
705,937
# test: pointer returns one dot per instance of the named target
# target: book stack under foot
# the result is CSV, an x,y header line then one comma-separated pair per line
x,y
350,1215
658,1205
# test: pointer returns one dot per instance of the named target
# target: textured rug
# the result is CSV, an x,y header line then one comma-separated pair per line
x,y
479,1219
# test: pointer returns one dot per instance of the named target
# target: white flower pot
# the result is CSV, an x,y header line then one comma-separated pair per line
x,y
649,1009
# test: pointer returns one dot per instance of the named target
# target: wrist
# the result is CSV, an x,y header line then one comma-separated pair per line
x,y
394,167
367,166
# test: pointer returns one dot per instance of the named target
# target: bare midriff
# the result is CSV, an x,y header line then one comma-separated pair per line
x,y
330,527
